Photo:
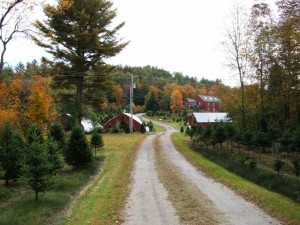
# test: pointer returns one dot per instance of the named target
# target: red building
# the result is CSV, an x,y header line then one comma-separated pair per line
x,y
207,119
190,103
137,122
208,103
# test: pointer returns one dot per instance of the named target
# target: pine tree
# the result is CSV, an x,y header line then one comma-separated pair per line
x,y
35,133
80,34
77,151
57,134
54,156
37,167
96,140
11,154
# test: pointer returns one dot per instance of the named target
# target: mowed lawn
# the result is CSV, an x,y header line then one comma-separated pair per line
x,y
105,199
106,185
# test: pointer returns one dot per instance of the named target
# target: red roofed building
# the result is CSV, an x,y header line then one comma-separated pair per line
x,y
137,122
208,103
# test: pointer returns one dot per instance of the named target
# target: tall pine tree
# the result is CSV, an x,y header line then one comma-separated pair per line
x,y
80,36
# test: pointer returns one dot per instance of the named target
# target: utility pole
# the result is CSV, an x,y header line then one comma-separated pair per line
x,y
131,100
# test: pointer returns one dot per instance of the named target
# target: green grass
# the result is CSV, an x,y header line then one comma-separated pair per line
x,y
105,199
176,125
275,204
19,205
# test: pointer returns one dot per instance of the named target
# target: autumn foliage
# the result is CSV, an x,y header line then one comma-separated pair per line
x,y
20,107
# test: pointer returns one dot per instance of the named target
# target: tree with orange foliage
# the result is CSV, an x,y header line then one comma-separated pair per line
x,y
188,91
118,94
10,103
39,108
176,101
153,90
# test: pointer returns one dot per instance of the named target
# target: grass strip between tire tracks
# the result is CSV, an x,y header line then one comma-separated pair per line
x,y
105,199
275,204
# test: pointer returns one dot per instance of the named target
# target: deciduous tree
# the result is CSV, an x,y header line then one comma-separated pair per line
x,y
14,21
176,101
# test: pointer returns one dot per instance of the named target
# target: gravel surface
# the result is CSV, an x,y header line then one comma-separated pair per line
x,y
149,204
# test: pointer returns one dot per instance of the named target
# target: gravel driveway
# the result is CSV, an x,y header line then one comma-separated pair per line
x,y
149,202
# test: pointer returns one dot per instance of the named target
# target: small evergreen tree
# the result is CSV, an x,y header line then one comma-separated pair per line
x,y
124,126
11,154
181,129
37,167
143,129
286,141
96,140
296,163
35,133
54,156
77,151
278,165
220,135
57,134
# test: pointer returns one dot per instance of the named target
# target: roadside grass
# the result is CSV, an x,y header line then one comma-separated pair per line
x,y
104,200
175,125
20,207
276,205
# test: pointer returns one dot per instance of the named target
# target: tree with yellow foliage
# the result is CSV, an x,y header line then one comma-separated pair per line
x,y
118,94
39,108
176,101
10,103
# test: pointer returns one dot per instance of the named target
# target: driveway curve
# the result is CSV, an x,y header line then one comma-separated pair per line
x,y
149,203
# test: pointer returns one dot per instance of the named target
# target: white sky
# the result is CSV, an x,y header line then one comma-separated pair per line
x,y
176,35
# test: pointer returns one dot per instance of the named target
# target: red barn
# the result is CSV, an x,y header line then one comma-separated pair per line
x,y
190,103
208,103
137,122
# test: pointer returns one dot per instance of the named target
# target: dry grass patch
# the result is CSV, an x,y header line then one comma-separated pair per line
x,y
192,206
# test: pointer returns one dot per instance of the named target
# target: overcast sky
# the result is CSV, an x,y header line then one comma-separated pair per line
x,y
176,35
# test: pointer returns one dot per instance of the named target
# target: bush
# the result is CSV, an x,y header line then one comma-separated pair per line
x,y
181,130
278,165
96,140
77,151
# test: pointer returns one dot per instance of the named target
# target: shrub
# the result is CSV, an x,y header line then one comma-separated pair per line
x,y
96,140
278,165
181,130
77,151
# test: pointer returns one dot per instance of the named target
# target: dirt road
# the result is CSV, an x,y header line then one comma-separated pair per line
x,y
167,189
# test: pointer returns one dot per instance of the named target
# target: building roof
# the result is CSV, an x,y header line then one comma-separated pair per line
x,y
88,125
134,117
208,98
191,100
210,117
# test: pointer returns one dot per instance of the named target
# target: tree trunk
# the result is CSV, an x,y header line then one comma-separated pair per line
x,y
36,195
79,99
